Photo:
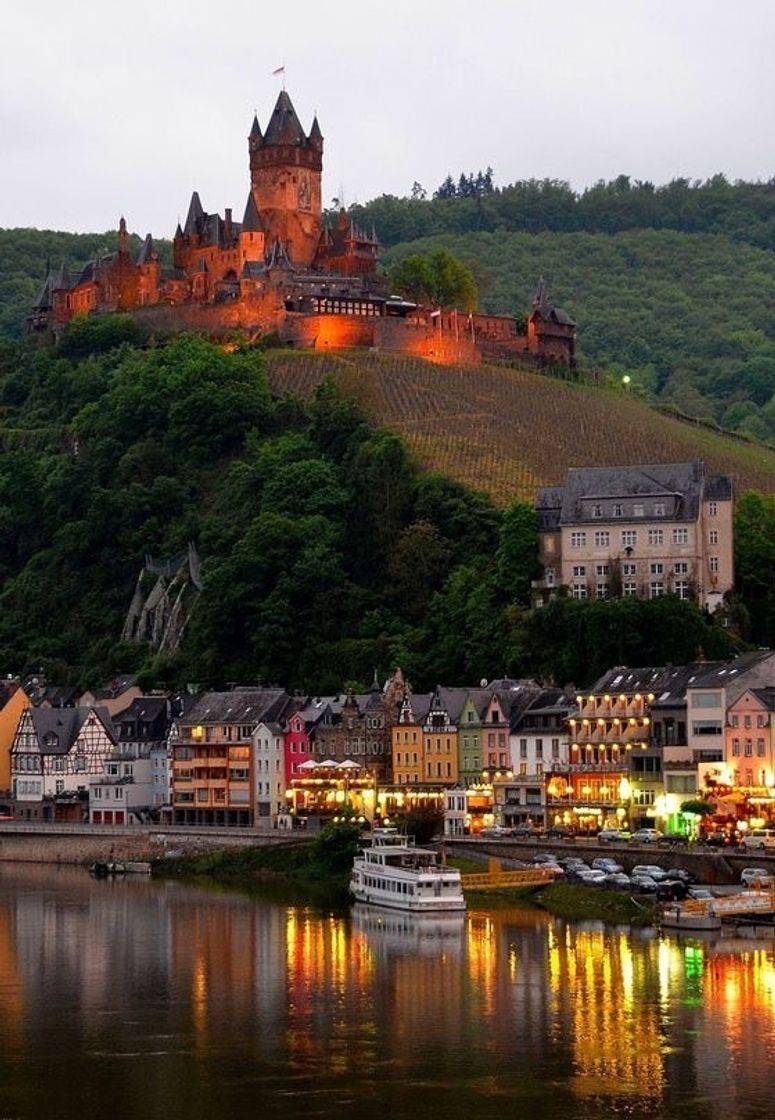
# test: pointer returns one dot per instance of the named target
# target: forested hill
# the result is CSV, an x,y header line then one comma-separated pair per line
x,y
326,550
473,203
673,285
690,317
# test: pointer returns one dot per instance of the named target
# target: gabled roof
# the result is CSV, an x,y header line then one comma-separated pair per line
x,y
452,700
767,697
56,729
240,705
284,126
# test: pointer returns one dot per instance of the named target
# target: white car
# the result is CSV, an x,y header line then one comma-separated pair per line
x,y
760,838
756,877
646,836
651,870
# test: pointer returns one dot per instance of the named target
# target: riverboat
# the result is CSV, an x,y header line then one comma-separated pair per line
x,y
392,872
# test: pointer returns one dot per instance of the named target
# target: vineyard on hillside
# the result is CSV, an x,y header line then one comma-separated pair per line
x,y
507,431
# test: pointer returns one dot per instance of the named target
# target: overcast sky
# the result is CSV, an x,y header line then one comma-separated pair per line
x,y
109,108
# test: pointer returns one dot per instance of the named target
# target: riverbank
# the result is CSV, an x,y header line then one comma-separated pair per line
x,y
318,871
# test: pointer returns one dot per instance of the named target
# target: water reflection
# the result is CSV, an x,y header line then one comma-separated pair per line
x,y
174,1001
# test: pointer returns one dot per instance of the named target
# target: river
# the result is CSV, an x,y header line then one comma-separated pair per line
x,y
138,999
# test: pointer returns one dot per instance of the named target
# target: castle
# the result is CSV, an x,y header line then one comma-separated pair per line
x,y
283,270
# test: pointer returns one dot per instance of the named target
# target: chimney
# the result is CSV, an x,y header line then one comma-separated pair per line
x,y
227,223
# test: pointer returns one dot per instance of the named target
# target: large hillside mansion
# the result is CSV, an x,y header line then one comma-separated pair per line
x,y
284,269
643,531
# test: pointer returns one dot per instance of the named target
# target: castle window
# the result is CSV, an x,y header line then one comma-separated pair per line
x,y
630,589
713,536
638,510
597,511
617,510
659,509
713,563
712,509
629,538
680,536
602,539
656,536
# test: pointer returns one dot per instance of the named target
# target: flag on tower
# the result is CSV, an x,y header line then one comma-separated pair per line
x,y
279,70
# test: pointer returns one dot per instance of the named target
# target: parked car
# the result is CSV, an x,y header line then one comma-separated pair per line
x,y
544,857
609,835
673,840
495,831
649,869
559,832
642,882
702,894
756,877
759,838
618,881
605,863
525,832
645,836
591,878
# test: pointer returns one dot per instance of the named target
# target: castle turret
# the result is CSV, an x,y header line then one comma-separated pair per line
x,y
251,238
285,175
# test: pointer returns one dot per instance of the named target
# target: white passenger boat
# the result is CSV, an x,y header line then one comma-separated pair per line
x,y
392,872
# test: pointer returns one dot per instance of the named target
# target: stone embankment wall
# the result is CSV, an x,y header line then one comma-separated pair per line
x,y
83,844
721,867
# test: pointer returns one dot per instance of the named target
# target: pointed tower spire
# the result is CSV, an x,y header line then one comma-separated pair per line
x,y
251,222
195,214
315,135
255,129
123,236
148,251
284,126
541,298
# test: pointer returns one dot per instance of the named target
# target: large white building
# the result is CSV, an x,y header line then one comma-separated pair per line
x,y
643,531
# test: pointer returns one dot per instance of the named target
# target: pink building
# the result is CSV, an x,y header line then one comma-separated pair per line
x,y
749,741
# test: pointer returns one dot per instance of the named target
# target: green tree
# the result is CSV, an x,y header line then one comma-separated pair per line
x,y
437,278
517,556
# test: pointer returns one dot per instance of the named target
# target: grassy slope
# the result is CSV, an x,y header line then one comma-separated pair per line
x,y
506,431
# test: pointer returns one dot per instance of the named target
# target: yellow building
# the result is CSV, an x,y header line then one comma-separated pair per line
x,y
13,701
440,736
406,740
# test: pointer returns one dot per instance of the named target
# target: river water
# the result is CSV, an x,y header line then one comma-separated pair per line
x,y
137,999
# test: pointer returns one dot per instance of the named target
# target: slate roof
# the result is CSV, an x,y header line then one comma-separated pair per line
x,y
284,126
676,679
314,132
625,679
549,507
63,725
195,214
147,251
240,705
251,221
728,672
684,484
767,697
255,129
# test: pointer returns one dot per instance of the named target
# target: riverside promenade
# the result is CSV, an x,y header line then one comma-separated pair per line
x,y
32,842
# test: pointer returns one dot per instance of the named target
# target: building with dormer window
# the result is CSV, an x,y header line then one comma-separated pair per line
x,y
645,531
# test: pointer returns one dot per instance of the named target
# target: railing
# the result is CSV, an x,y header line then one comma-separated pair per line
x,y
499,879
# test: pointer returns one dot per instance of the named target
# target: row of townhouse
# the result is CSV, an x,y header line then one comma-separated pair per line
x,y
634,748
73,761
630,750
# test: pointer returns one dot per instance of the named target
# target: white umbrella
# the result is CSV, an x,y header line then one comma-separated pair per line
x,y
348,764
310,764
328,764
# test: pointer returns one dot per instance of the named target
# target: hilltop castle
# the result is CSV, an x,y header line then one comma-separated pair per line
x,y
283,269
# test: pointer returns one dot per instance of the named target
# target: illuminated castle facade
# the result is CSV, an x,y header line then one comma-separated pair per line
x,y
283,270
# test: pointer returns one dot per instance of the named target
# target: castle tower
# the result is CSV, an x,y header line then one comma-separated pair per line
x,y
285,177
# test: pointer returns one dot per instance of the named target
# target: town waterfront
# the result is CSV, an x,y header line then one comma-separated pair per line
x,y
136,998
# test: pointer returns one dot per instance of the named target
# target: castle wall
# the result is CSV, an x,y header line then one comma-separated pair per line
x,y
252,313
